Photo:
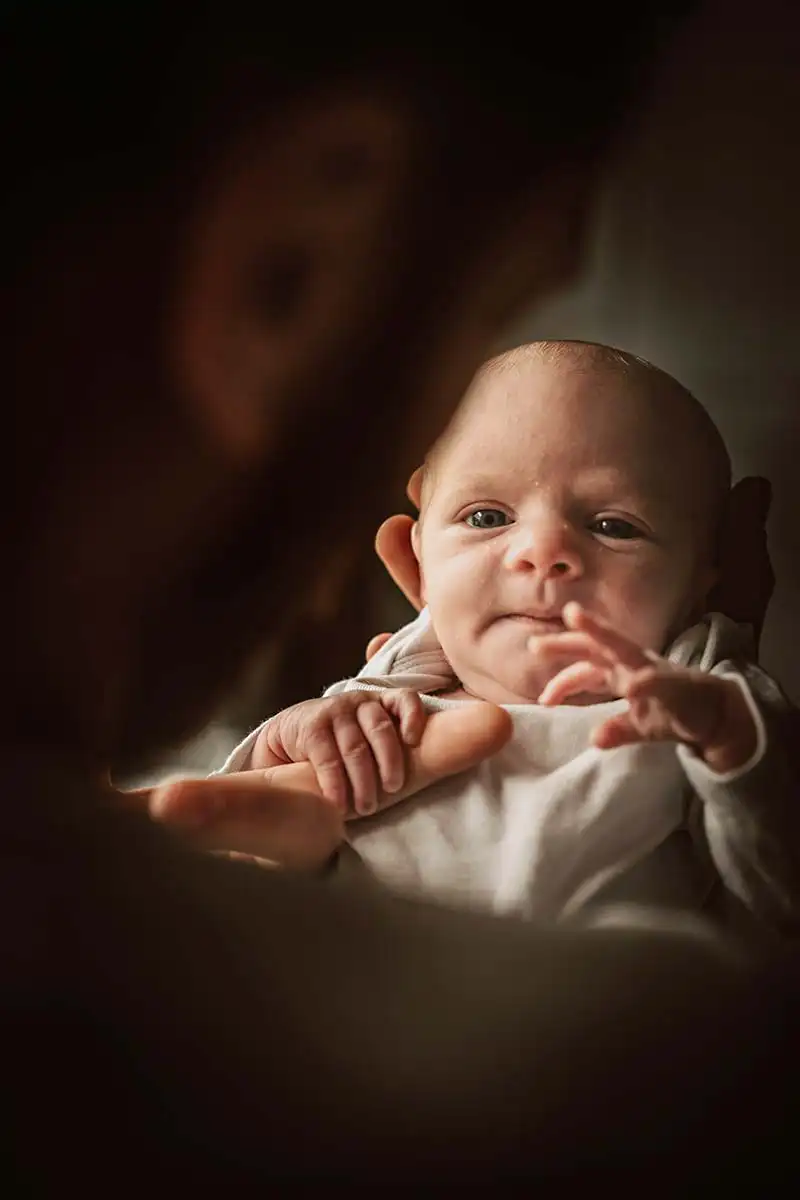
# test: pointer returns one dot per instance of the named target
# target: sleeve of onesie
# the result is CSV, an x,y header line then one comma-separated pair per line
x,y
751,816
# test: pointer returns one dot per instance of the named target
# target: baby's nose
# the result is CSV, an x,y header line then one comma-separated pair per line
x,y
550,551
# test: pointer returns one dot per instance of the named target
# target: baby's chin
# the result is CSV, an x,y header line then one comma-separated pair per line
x,y
504,687
519,678
502,668
514,691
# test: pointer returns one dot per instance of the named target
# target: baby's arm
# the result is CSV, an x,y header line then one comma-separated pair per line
x,y
751,815
738,739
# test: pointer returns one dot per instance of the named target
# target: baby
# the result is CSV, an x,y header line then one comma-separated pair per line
x,y
566,542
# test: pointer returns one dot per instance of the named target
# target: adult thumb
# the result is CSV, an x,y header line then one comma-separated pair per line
x,y
278,813
264,813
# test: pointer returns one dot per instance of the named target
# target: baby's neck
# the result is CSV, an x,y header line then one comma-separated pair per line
x,y
582,700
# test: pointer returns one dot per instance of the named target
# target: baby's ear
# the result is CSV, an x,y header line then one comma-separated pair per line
x,y
416,538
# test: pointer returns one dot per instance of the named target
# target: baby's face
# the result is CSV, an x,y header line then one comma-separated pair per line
x,y
560,484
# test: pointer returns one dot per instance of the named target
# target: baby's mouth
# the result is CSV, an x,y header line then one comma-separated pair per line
x,y
539,622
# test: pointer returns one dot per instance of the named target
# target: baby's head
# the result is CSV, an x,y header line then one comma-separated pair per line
x,y
570,472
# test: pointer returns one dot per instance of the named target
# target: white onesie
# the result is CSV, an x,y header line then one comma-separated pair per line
x,y
551,824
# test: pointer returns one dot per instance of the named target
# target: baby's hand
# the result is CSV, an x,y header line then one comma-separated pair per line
x,y
355,743
666,703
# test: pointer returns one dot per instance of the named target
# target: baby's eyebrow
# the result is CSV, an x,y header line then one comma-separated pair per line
x,y
470,488
610,478
603,482
596,486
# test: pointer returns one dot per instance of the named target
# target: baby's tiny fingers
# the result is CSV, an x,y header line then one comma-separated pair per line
x,y
689,702
622,649
651,683
568,647
617,731
324,756
383,738
356,754
579,677
407,706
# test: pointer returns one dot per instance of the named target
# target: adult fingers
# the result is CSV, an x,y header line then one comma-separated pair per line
x,y
455,740
272,814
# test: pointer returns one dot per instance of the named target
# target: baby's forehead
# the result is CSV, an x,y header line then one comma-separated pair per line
x,y
558,411
635,428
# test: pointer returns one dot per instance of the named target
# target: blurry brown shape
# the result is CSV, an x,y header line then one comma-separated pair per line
x,y
747,580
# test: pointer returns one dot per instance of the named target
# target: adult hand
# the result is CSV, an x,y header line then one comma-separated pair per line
x,y
746,579
254,814
279,814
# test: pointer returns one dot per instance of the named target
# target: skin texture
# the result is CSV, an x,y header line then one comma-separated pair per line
x,y
578,493
570,502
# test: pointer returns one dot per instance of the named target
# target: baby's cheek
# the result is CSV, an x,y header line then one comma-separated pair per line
x,y
447,612
453,585
647,605
455,615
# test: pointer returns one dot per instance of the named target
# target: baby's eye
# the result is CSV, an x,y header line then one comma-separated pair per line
x,y
487,518
615,527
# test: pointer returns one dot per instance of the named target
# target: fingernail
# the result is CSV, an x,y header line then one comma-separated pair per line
x,y
571,611
169,804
